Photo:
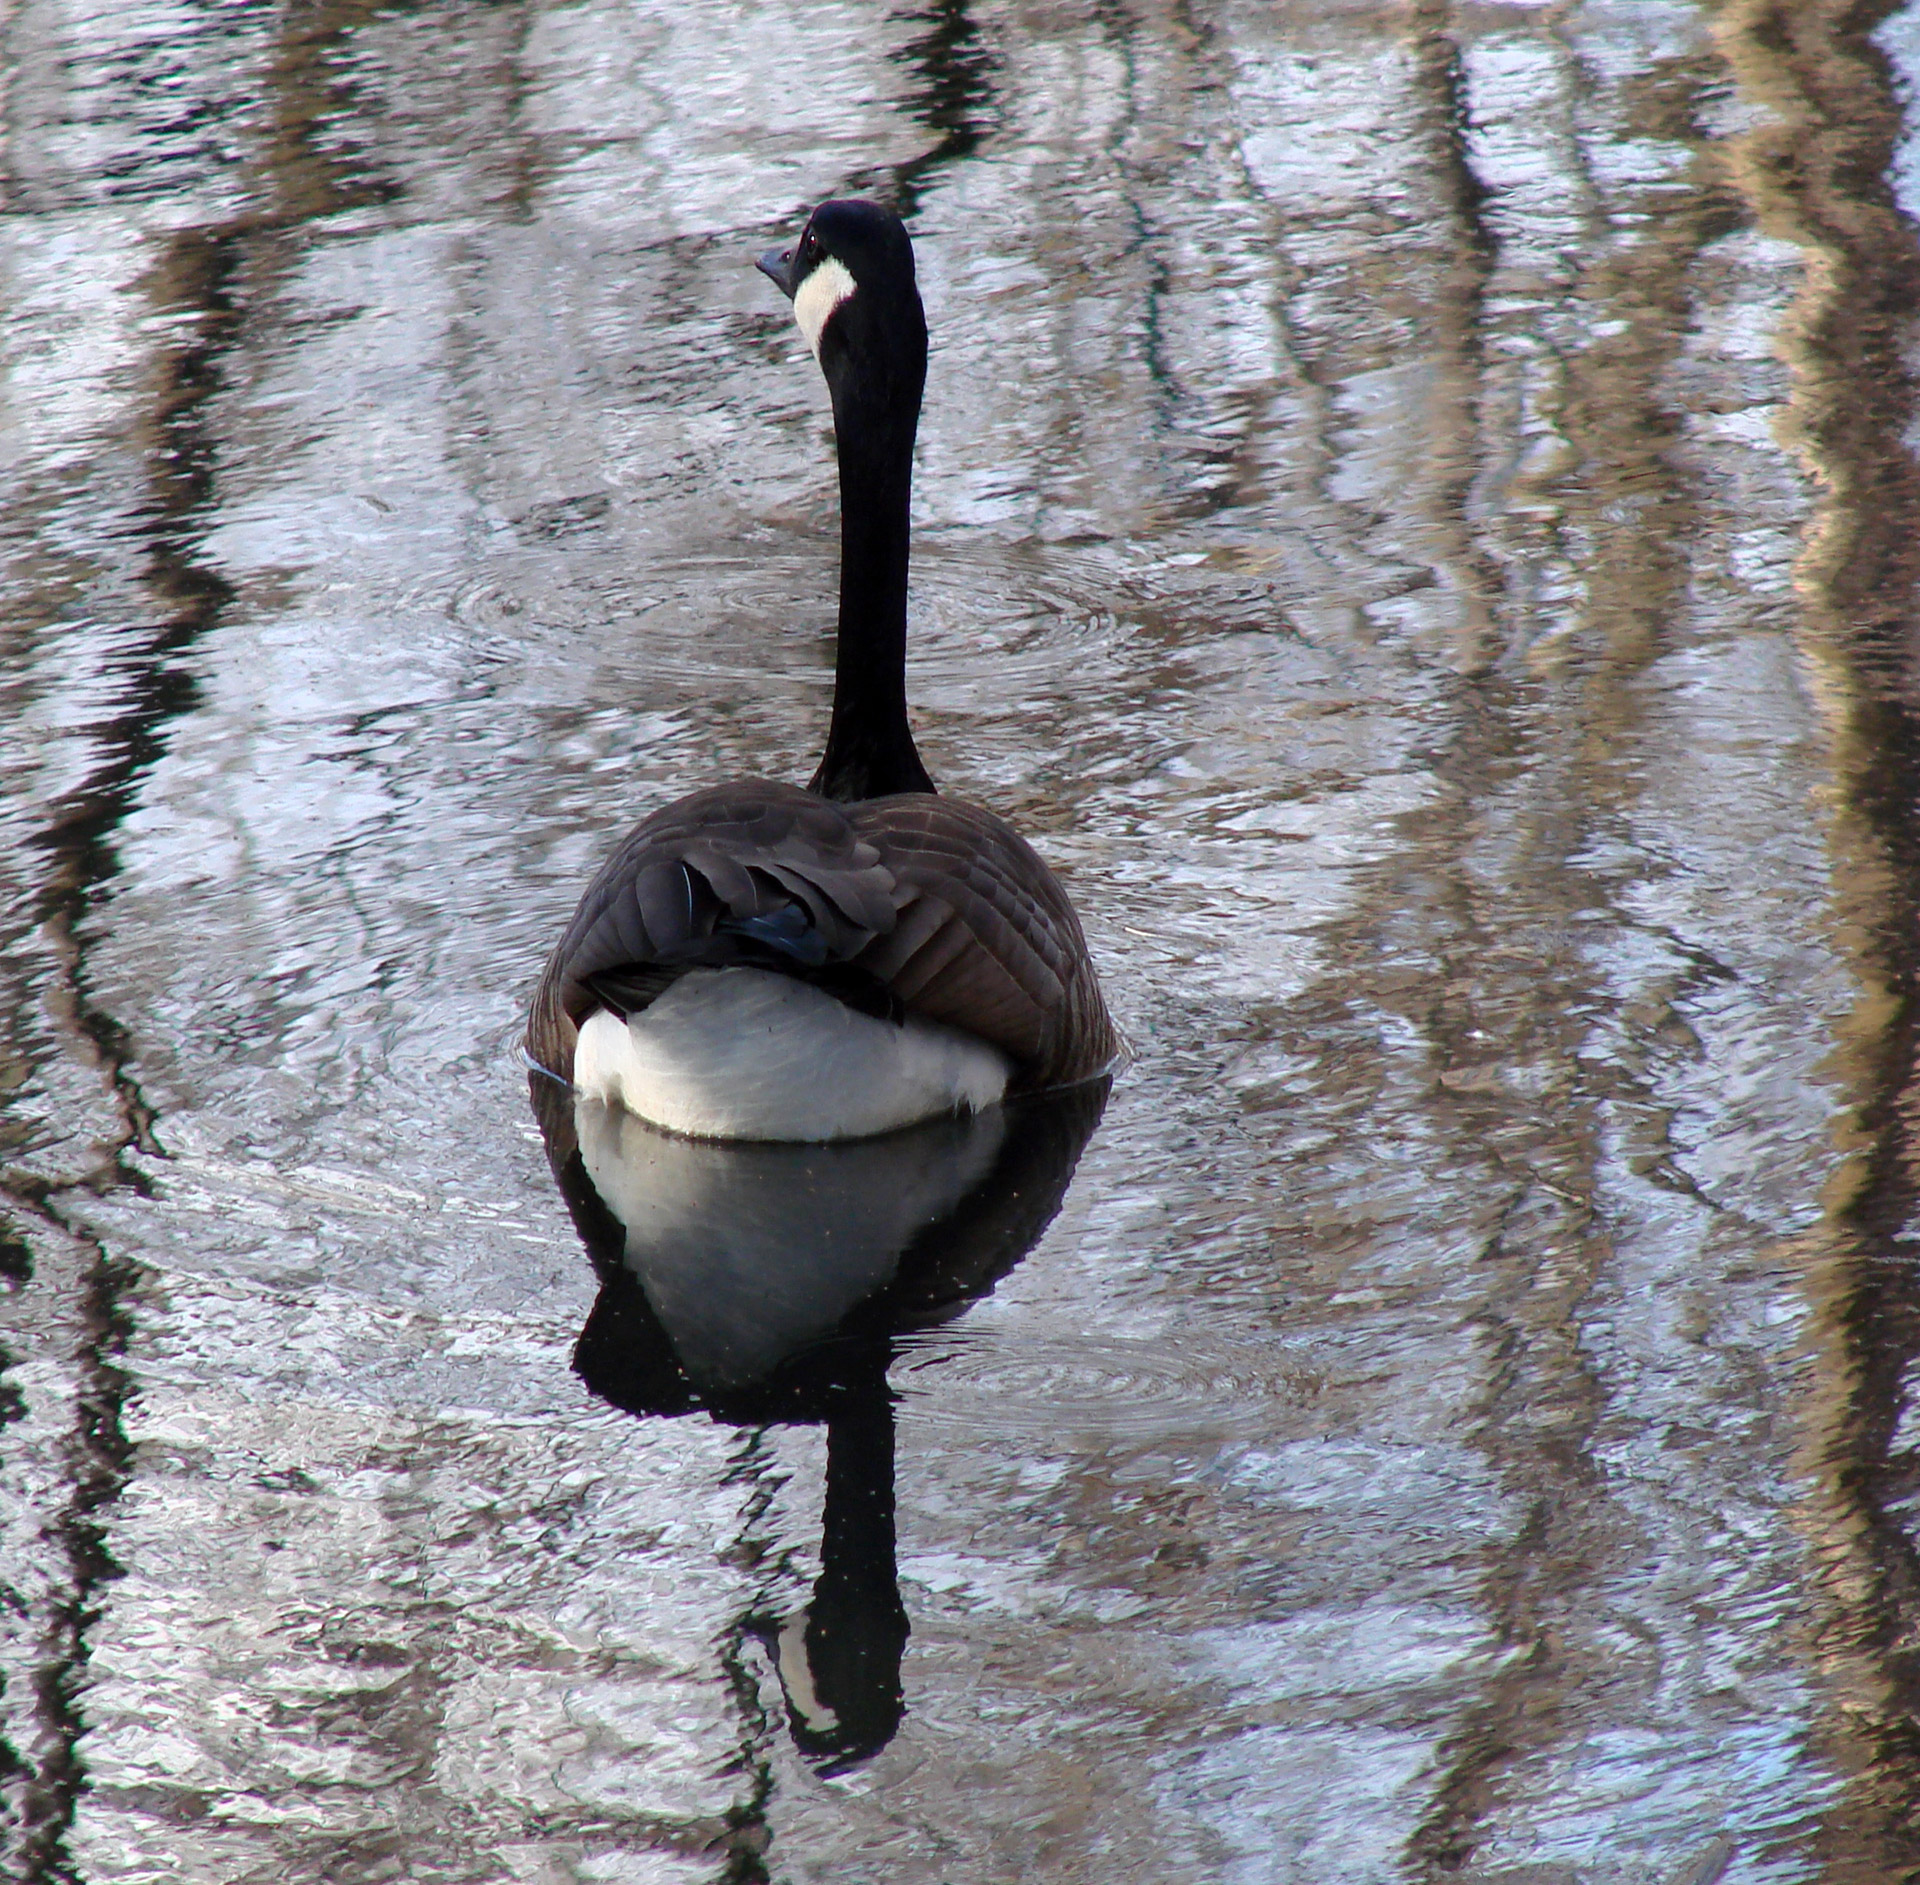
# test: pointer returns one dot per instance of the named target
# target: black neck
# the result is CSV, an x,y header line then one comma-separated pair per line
x,y
870,749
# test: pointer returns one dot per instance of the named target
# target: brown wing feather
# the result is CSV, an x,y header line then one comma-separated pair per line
x,y
986,939
727,855
940,902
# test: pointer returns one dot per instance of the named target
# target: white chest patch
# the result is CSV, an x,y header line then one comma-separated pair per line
x,y
818,296
747,1054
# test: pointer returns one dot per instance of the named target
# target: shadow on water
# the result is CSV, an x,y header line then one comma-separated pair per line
x,y
772,1283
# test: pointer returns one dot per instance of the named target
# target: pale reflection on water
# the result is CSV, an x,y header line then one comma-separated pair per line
x,y
764,1283
1414,517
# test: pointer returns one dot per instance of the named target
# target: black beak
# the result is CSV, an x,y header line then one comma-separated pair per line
x,y
777,266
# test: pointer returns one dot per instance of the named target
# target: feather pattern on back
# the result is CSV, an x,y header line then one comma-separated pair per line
x,y
908,903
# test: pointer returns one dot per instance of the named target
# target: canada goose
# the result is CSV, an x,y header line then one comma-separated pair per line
x,y
755,961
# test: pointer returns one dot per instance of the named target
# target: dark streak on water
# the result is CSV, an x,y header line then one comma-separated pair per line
x,y
1824,183
196,286
77,843
954,97
1542,1400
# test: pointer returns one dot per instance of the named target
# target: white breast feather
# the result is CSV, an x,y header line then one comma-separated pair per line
x,y
818,296
747,1054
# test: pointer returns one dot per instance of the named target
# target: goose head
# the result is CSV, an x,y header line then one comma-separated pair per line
x,y
850,279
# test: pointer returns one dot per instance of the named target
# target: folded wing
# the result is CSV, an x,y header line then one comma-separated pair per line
x,y
914,902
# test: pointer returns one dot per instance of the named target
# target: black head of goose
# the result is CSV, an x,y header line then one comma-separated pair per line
x,y
755,961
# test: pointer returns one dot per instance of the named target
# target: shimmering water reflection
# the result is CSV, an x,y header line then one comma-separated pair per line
x,y
1414,517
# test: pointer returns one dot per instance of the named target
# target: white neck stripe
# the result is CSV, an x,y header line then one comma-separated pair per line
x,y
818,296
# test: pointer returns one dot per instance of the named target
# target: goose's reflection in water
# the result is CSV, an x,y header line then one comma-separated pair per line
x,y
764,1283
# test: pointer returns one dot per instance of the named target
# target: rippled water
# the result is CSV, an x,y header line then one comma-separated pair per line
x,y
1415,517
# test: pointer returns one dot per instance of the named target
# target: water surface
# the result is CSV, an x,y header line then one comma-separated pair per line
x,y
1414,517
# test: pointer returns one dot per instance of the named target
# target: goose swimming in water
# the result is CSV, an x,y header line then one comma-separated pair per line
x,y
755,961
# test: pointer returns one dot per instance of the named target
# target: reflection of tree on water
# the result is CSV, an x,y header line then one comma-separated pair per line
x,y
952,89
769,1283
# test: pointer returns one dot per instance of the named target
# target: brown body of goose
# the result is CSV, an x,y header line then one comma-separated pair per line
x,y
864,931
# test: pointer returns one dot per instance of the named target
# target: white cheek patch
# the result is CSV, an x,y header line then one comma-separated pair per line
x,y
818,296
